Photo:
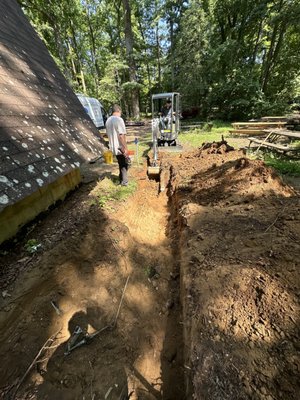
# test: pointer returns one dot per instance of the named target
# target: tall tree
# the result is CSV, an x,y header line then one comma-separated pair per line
x,y
129,45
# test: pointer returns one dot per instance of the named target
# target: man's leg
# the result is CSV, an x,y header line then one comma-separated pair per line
x,y
120,167
123,167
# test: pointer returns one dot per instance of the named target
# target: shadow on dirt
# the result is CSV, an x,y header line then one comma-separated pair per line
x,y
60,376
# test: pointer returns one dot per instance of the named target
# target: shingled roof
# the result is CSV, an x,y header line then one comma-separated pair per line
x,y
44,130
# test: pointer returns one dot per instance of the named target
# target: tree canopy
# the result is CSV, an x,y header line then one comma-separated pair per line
x,y
231,59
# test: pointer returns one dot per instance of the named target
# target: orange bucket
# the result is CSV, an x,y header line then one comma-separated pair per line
x,y
131,154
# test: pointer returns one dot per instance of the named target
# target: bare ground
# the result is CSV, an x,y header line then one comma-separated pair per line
x,y
211,310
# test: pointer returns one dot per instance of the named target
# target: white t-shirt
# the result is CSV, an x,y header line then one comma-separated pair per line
x,y
115,126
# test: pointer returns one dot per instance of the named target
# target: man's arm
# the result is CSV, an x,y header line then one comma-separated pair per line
x,y
123,143
122,137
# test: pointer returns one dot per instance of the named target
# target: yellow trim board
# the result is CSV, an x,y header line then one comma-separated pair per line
x,y
14,217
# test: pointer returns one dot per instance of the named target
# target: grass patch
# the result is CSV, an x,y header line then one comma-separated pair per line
x,y
109,191
145,144
195,137
283,165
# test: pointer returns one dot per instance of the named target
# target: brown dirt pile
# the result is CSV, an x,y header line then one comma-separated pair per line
x,y
239,253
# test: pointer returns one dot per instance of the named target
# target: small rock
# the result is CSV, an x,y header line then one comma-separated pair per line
x,y
169,304
248,388
24,259
263,379
263,390
235,330
5,294
174,275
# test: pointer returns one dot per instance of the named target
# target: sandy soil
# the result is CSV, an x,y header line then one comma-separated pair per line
x,y
211,309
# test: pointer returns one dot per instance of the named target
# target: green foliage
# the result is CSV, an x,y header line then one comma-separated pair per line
x,y
109,191
32,246
234,59
283,165
238,58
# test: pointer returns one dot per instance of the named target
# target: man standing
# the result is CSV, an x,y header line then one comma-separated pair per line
x,y
116,132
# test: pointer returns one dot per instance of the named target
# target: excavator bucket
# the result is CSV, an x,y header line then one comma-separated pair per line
x,y
153,171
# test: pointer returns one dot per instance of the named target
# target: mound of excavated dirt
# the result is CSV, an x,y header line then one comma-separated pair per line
x,y
239,249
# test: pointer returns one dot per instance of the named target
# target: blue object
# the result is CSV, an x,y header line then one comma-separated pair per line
x,y
136,140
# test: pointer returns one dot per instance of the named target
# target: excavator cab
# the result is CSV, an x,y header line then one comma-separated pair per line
x,y
166,118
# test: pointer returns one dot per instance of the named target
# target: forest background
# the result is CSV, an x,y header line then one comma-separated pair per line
x,y
229,59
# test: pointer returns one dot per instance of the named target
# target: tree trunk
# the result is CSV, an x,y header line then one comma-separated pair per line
x,y
274,47
172,53
268,60
83,81
158,58
72,62
258,38
129,43
146,59
93,45
61,50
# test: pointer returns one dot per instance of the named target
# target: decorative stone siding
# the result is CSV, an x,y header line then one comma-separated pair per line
x,y
44,131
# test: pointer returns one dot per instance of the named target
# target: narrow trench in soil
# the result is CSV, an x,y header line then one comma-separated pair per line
x,y
164,257
85,273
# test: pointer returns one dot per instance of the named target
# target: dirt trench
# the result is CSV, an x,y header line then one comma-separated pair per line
x,y
88,254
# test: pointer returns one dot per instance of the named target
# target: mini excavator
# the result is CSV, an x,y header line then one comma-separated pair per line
x,y
165,127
